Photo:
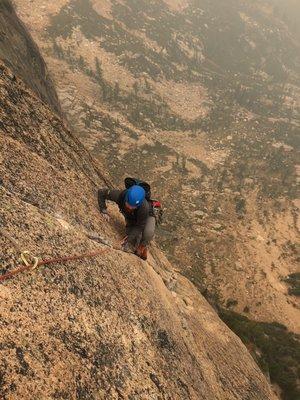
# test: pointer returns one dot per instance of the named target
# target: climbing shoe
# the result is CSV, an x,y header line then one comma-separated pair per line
x,y
141,252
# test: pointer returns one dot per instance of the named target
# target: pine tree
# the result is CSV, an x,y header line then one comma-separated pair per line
x,y
57,50
104,91
116,91
99,72
81,62
135,88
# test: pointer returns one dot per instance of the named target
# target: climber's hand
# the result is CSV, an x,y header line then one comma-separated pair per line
x,y
124,240
105,216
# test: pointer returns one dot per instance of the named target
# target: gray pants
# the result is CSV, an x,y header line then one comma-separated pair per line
x,y
146,236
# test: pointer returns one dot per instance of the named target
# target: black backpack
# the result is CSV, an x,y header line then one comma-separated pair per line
x,y
133,181
156,205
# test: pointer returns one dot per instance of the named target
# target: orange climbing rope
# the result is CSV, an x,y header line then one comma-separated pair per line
x,y
58,260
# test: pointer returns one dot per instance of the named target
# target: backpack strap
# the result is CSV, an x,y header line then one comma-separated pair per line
x,y
130,182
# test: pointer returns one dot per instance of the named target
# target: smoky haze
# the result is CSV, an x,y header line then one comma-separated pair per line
x,y
201,99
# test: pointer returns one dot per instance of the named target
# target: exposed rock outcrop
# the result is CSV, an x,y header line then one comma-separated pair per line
x,y
202,101
21,54
107,328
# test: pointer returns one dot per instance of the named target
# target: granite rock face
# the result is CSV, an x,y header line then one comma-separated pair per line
x,y
101,328
111,327
203,102
20,53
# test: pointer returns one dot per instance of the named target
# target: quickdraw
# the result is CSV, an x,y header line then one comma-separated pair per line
x,y
24,256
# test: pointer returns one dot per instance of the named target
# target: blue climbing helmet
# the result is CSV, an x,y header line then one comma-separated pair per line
x,y
135,195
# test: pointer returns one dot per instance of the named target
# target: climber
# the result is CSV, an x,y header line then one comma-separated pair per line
x,y
139,217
